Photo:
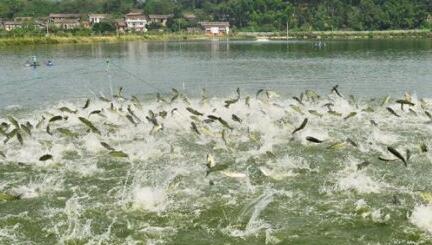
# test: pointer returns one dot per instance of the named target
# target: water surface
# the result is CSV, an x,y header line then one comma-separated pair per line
x,y
161,171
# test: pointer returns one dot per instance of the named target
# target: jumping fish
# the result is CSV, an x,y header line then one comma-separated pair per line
x,y
397,154
103,98
67,109
392,111
231,101
385,100
224,123
26,129
130,118
55,118
119,93
13,121
334,113
302,126
423,148
247,101
118,154
428,115
89,125
236,118
312,95
106,146
315,113
313,140
349,140
67,132
133,113
195,128
45,157
193,111
404,102
204,97
352,114
20,138
335,89
87,103
136,102
259,92
298,100
98,112
175,96
297,109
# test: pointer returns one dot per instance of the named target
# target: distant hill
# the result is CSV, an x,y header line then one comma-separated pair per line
x,y
251,15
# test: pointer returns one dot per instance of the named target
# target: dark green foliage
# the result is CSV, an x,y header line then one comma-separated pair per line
x,y
103,27
251,15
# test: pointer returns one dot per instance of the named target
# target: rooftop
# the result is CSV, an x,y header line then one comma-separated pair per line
x,y
218,24
98,15
64,15
160,16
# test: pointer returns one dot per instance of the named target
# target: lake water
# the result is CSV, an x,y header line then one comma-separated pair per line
x,y
83,162
371,68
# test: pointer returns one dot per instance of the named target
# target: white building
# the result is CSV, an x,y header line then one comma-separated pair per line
x,y
96,18
136,21
216,28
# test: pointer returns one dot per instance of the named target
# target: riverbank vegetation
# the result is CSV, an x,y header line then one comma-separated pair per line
x,y
250,15
182,36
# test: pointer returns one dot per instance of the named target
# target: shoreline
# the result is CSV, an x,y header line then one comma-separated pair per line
x,y
313,35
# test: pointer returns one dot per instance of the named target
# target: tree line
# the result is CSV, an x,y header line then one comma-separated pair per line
x,y
249,15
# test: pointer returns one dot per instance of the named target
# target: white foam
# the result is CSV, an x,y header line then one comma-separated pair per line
x,y
422,217
150,199
359,182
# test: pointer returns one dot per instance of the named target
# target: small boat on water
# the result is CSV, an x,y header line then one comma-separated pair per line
x,y
32,64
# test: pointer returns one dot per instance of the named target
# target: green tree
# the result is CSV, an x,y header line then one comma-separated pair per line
x,y
104,27
159,7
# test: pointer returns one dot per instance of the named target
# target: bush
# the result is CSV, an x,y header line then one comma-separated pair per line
x,y
103,27
154,26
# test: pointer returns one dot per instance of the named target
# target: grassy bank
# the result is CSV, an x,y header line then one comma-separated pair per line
x,y
346,35
343,35
33,40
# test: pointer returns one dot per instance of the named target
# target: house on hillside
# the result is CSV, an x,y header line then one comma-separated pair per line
x,y
11,25
67,24
216,28
21,22
97,18
121,26
136,21
159,18
65,21
57,17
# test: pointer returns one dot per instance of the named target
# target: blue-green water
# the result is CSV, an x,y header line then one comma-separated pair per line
x,y
183,177
360,67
